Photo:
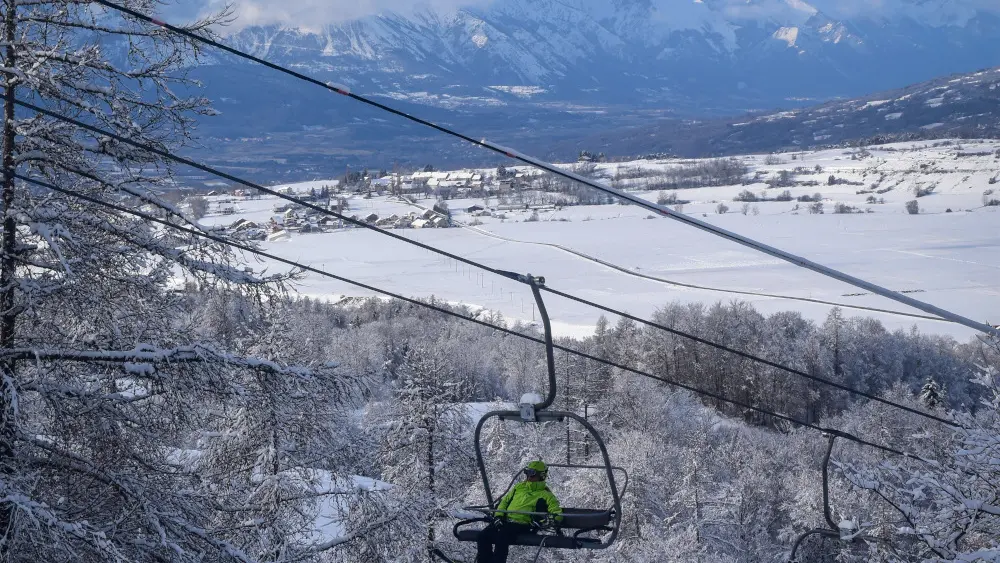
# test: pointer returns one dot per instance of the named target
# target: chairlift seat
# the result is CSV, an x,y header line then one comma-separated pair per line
x,y
535,540
580,520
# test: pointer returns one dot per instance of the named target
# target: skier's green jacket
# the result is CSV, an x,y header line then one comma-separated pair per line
x,y
524,497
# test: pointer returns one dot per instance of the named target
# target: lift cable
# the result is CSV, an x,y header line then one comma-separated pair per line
x,y
537,163
219,173
188,162
258,252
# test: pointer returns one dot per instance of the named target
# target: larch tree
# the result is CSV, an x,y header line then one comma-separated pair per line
x,y
104,378
277,450
424,451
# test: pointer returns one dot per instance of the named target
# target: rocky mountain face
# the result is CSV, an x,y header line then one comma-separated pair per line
x,y
690,56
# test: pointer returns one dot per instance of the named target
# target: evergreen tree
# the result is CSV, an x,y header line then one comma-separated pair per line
x,y
932,395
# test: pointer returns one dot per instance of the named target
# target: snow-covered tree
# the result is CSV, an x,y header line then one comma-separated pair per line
x,y
283,444
932,395
424,451
107,380
946,507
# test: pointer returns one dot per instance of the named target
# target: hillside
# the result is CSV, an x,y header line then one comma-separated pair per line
x,y
959,106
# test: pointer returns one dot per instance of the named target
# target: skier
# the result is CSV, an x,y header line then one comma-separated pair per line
x,y
530,495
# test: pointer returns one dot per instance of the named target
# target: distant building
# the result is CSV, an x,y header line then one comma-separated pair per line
x,y
244,226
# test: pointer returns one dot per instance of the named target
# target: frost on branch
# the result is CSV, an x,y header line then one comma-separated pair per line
x,y
110,379
948,507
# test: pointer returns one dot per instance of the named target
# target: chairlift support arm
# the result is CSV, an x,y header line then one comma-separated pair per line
x,y
834,531
535,282
826,483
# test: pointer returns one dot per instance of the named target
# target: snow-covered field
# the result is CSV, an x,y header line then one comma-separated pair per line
x,y
950,259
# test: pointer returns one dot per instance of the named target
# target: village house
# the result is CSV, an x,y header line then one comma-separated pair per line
x,y
382,184
241,224
445,184
388,222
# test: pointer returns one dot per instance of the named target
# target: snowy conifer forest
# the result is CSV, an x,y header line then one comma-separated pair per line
x,y
162,401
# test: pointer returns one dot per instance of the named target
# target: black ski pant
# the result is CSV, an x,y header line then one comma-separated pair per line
x,y
494,541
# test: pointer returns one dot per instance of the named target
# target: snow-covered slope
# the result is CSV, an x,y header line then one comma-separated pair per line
x,y
723,54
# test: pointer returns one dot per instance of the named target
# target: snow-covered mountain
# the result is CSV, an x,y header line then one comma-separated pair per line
x,y
694,56
552,77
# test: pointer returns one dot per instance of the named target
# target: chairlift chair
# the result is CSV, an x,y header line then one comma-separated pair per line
x,y
579,528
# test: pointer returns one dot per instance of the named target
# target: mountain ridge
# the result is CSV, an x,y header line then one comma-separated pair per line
x,y
954,106
716,53
555,77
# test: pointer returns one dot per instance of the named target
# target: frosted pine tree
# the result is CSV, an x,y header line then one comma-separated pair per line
x,y
932,395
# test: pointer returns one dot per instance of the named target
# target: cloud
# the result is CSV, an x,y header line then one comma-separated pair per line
x,y
311,14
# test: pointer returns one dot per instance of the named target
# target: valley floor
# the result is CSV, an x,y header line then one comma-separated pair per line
x,y
621,257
